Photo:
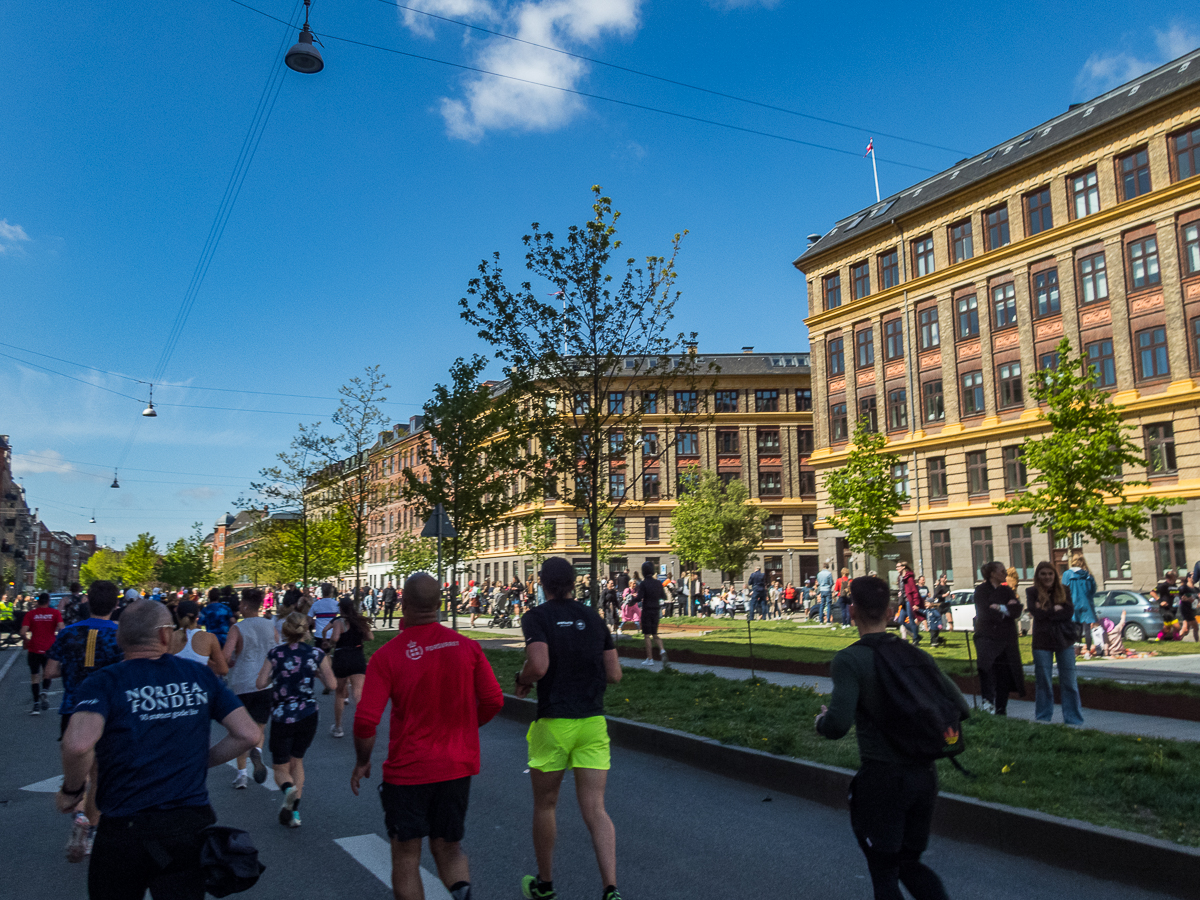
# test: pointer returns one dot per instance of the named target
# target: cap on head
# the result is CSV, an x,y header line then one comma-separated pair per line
x,y
558,576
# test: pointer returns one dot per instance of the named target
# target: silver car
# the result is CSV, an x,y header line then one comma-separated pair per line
x,y
1142,617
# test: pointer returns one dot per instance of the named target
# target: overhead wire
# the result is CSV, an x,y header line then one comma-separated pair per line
x,y
184,387
258,124
665,80
591,96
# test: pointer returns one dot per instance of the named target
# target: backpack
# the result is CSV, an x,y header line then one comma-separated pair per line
x,y
228,860
918,717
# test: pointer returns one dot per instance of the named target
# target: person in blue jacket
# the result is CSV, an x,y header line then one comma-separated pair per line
x,y
1082,587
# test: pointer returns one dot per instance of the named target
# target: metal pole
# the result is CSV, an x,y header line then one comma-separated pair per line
x,y
439,540
875,169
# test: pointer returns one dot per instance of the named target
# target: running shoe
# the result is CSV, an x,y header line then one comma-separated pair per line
x,y
531,891
611,894
241,782
647,662
45,702
664,657
260,767
37,709
288,808
77,844
336,731
987,706
294,821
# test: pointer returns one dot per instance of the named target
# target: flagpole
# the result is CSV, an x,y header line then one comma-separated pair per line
x,y
875,170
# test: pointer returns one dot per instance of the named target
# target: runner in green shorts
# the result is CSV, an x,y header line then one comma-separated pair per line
x,y
569,655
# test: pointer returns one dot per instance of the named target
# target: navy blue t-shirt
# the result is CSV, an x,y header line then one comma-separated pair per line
x,y
154,751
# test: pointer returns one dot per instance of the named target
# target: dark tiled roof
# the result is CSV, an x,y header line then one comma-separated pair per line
x,y
1079,120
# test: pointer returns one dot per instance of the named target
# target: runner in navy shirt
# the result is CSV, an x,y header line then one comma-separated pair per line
x,y
146,722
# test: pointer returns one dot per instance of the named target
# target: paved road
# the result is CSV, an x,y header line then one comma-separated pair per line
x,y
681,833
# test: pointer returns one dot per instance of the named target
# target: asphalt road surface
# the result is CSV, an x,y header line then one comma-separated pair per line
x,y
681,833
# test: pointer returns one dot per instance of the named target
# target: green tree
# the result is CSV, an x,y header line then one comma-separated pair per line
x,y
1077,481
413,554
307,548
715,526
187,562
575,367
103,565
475,454
863,493
538,537
300,542
140,561
610,538
346,456
42,580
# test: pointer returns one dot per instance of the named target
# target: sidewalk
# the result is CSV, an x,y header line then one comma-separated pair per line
x,y
1100,720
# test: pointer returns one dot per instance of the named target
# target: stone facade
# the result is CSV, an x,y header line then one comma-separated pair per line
x,y
1113,266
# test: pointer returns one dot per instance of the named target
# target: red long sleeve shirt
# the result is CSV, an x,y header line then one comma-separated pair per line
x,y
442,689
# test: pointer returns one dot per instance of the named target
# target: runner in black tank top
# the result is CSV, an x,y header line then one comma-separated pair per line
x,y
350,630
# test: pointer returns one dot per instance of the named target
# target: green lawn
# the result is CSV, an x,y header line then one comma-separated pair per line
x,y
1120,781
1143,785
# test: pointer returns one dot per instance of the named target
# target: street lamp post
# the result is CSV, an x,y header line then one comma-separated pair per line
x,y
439,526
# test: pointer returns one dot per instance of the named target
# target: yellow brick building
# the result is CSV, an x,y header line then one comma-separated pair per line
x,y
755,424
930,310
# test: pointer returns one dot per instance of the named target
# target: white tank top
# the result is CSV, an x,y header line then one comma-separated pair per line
x,y
188,653
257,638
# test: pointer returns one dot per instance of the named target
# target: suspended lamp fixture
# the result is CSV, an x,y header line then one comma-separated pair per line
x,y
149,412
304,57
115,483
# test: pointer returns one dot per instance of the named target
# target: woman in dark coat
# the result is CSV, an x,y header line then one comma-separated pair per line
x,y
996,612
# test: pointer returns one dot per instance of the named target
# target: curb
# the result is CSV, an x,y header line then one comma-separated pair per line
x,y
1146,862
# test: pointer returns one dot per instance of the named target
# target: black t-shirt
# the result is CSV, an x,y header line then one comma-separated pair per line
x,y
573,686
622,581
1168,595
651,593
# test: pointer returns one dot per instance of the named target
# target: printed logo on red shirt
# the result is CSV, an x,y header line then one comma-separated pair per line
x,y
414,652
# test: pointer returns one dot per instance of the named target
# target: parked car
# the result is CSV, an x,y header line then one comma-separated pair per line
x,y
962,610
1142,617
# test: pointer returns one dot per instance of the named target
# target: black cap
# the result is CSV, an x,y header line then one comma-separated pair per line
x,y
557,574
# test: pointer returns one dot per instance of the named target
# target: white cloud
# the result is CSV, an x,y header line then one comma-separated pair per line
x,y
489,103
743,4
1104,71
202,494
38,461
11,238
475,11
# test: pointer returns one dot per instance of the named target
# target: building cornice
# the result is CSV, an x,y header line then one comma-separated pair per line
x,y
993,262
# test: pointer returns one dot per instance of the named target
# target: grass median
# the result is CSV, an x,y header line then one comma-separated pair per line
x,y
1146,785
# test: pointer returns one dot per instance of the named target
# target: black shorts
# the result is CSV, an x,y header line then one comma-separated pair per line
x,y
437,810
258,704
650,624
290,740
891,808
349,661
37,661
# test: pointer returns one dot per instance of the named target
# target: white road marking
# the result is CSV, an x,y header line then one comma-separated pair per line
x,y
48,786
374,854
12,658
269,784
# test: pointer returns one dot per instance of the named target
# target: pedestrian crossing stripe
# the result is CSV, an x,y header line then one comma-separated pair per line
x,y
374,854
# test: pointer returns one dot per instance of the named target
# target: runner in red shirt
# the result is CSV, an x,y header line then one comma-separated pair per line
x,y
38,628
442,689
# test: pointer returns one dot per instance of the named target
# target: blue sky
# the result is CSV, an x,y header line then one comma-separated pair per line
x,y
379,184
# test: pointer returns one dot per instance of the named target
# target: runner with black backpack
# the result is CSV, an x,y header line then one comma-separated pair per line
x,y
907,714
